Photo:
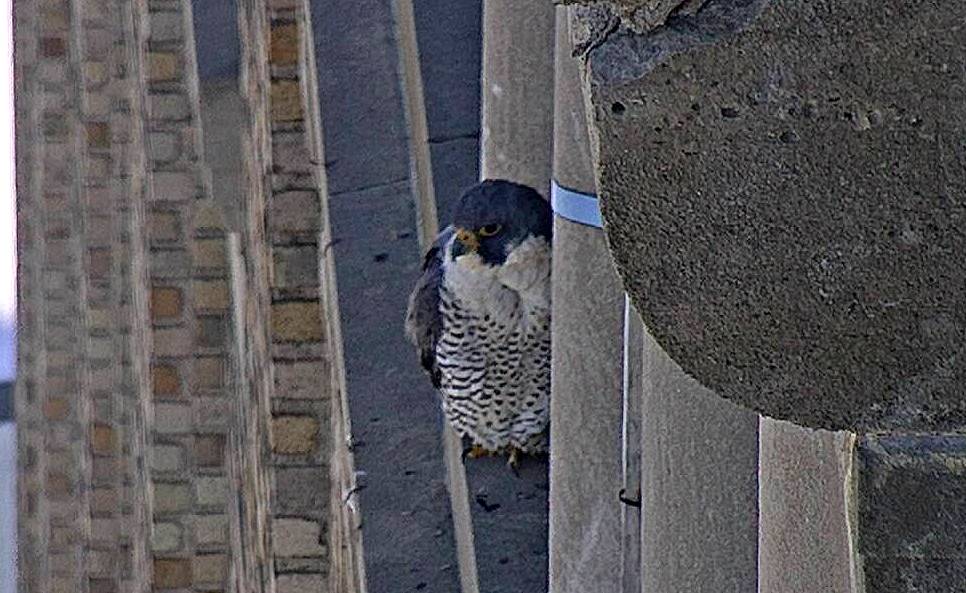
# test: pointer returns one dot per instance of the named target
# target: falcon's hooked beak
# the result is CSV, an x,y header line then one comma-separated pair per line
x,y
466,242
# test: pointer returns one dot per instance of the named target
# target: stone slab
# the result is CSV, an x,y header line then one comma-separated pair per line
x,y
361,102
700,484
585,418
509,523
449,57
804,541
784,191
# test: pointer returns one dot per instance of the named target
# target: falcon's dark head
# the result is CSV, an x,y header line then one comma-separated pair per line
x,y
494,216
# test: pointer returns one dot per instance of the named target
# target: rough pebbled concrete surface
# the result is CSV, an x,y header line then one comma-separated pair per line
x,y
912,513
787,205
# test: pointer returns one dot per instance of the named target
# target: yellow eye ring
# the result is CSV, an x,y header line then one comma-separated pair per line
x,y
489,230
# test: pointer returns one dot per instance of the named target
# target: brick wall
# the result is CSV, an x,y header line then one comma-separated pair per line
x,y
31,365
285,227
80,189
189,306
176,383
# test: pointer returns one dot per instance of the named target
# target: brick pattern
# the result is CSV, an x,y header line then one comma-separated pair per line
x,y
131,248
249,460
64,161
79,211
300,346
190,320
32,519
283,228
106,123
176,385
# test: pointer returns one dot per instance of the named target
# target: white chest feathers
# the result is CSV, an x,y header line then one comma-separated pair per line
x,y
523,281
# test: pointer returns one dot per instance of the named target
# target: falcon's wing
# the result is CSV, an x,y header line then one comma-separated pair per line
x,y
424,322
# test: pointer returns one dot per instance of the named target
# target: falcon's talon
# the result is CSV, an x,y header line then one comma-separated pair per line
x,y
513,461
475,452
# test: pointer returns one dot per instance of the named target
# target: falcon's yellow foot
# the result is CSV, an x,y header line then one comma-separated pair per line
x,y
476,451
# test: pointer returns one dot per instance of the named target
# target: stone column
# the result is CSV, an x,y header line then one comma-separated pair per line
x,y
788,222
190,306
588,321
517,92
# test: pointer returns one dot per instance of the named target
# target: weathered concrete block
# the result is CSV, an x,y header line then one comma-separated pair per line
x,y
286,101
163,67
296,266
211,295
166,303
300,380
174,186
166,26
285,42
166,381
167,458
298,492
300,583
168,106
209,450
296,322
782,191
165,146
210,530
296,211
172,419
211,491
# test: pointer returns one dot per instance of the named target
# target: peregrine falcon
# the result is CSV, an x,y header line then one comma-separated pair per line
x,y
480,319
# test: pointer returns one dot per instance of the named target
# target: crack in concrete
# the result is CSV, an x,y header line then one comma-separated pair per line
x,y
623,55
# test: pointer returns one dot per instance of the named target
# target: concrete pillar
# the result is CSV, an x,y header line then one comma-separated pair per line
x,y
83,385
588,321
699,482
516,89
805,485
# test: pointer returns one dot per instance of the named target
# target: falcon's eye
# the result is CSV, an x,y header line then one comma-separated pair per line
x,y
490,230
